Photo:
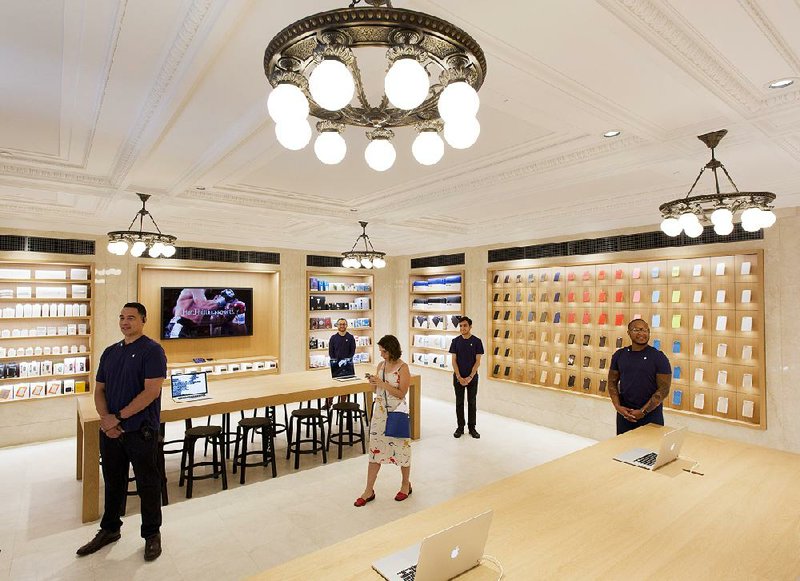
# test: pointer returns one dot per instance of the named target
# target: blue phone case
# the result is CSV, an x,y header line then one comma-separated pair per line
x,y
657,344
677,396
676,346
676,373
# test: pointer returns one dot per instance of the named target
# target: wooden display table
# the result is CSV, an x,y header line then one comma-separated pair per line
x,y
585,516
228,395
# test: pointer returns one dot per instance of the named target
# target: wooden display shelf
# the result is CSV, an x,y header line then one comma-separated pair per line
x,y
40,337
35,300
430,348
24,357
70,317
39,398
51,376
674,276
435,292
338,276
44,281
459,308
332,292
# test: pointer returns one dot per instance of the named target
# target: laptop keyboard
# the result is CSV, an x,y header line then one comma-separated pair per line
x,y
647,459
408,573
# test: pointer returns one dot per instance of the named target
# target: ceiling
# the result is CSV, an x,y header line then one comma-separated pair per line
x,y
105,98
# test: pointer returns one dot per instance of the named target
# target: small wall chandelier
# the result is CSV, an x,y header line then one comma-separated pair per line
x,y
690,213
367,258
155,243
312,66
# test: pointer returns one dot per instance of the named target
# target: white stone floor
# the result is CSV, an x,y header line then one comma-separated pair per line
x,y
246,529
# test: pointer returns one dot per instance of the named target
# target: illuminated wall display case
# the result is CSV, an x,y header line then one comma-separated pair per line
x,y
331,296
45,330
557,326
436,304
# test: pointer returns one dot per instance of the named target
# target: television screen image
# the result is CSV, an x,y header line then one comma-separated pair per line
x,y
201,313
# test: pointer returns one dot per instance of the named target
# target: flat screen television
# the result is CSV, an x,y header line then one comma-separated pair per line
x,y
205,313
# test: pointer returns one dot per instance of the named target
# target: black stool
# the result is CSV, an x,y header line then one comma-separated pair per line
x,y
214,434
267,451
347,413
312,418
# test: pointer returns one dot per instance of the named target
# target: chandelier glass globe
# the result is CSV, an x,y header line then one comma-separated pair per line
x,y
694,230
155,250
287,102
331,84
768,218
138,248
330,147
379,263
168,251
671,227
723,228
463,133
380,154
406,84
721,216
458,101
293,135
688,219
366,262
428,148
751,219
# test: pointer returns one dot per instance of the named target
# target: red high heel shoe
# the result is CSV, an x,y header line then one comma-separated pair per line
x,y
362,501
401,496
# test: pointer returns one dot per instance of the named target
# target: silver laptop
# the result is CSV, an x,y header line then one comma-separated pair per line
x,y
189,386
648,459
347,378
441,556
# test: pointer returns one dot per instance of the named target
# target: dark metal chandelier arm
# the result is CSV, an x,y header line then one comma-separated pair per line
x,y
697,179
730,179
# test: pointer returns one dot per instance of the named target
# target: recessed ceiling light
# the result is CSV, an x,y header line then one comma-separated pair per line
x,y
200,188
613,133
354,209
781,83
6,154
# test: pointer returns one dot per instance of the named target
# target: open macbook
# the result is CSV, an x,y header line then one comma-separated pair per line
x,y
189,386
440,556
670,447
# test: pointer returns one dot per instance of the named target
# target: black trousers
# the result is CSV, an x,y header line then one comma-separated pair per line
x,y
655,416
140,450
472,399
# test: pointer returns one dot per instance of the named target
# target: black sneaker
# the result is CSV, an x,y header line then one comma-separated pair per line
x,y
100,540
474,433
152,547
458,433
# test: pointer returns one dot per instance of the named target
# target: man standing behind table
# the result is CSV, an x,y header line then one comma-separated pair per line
x,y
341,349
466,351
638,380
127,396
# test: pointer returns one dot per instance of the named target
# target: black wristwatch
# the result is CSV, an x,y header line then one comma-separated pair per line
x,y
118,416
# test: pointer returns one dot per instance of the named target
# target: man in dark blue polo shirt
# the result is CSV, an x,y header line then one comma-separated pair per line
x,y
465,358
127,396
341,349
638,380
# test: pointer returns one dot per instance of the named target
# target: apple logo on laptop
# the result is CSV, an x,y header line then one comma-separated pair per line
x,y
671,448
454,552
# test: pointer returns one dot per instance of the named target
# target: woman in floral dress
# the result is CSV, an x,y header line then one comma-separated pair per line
x,y
390,384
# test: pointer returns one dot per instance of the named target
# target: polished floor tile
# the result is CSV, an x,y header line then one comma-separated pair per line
x,y
246,529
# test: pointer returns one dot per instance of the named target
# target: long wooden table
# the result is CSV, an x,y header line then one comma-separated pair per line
x,y
585,516
228,395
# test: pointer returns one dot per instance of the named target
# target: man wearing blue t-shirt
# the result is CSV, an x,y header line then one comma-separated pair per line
x,y
638,380
127,395
465,358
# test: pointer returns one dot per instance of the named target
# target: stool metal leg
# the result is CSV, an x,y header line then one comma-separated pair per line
x,y
223,462
243,457
190,470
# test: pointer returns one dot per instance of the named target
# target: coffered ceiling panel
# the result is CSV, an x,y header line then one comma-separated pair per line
x,y
104,98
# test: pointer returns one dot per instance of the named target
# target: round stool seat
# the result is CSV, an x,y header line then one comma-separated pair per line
x,y
303,413
203,431
256,422
346,406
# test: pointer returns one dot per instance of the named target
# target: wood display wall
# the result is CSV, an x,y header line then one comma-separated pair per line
x,y
326,290
266,311
46,330
436,302
558,326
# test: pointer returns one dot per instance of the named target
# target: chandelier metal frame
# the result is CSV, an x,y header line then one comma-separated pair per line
x,y
149,238
336,32
704,205
369,253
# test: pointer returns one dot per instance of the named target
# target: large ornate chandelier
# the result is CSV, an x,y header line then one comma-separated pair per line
x,y
690,213
366,258
434,72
